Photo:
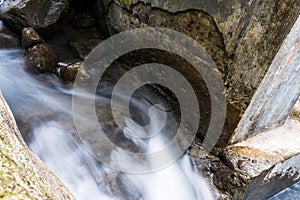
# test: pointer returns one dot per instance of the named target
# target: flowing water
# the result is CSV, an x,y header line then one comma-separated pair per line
x,y
42,107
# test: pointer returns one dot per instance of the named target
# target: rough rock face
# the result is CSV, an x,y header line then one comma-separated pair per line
x,y
264,165
251,32
23,175
242,37
257,42
42,15
40,58
8,39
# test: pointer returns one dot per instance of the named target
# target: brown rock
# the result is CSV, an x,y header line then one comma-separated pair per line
x,y
40,58
30,37
69,70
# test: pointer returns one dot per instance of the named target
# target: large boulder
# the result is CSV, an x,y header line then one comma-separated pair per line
x,y
42,15
23,175
40,58
8,39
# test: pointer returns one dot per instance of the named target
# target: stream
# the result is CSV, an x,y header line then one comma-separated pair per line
x,y
43,110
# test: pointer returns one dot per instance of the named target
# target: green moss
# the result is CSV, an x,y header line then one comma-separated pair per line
x,y
42,61
127,3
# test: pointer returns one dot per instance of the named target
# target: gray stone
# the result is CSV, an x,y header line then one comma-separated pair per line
x,y
42,15
267,163
278,92
242,37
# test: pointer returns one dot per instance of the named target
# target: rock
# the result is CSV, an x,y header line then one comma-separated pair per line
x,y
23,175
8,39
40,58
295,114
83,20
30,37
42,15
99,13
242,38
70,69
267,163
79,42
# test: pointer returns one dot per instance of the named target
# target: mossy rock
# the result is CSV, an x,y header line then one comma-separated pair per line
x,y
40,58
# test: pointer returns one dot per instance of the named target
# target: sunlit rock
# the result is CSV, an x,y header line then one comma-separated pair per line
x,y
23,175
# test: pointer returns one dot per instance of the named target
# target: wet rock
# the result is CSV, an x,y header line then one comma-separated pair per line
x,y
70,69
83,20
42,15
30,37
23,175
8,39
40,58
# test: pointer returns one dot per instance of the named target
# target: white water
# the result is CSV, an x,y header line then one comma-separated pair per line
x,y
52,140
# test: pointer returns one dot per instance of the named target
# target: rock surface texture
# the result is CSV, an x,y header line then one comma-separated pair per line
x,y
40,58
264,165
242,37
23,175
42,15
246,34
